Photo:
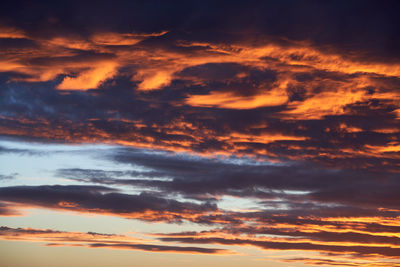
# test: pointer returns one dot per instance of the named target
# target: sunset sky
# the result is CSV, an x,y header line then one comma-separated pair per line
x,y
199,133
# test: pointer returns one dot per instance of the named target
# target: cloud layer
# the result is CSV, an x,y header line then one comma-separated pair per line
x,y
293,107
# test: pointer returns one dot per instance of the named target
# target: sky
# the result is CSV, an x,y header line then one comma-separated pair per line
x,y
219,133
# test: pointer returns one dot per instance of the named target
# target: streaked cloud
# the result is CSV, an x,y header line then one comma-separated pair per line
x,y
95,240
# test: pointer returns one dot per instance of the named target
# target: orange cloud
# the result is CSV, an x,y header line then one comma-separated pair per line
x,y
11,32
153,79
91,78
274,97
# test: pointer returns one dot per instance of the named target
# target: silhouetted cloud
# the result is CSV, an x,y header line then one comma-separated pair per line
x,y
95,240
103,200
361,250
197,177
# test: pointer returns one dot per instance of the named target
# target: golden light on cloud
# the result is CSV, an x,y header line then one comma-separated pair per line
x,y
11,32
270,98
152,80
115,39
91,78
333,104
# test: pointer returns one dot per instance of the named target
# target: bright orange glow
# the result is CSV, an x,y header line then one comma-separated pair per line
x,y
154,80
90,79
275,97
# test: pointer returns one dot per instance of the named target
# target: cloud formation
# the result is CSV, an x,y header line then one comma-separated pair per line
x,y
103,200
289,109
95,240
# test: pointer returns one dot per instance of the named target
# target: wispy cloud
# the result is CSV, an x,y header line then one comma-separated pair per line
x,y
95,240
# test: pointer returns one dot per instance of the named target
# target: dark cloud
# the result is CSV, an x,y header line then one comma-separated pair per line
x,y
367,26
159,248
100,199
95,240
326,236
362,250
200,178
8,177
6,150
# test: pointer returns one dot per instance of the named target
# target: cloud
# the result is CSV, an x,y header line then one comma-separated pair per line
x,y
351,133
8,210
96,240
91,78
8,177
344,262
160,248
224,96
290,106
203,178
296,206
104,200
355,249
